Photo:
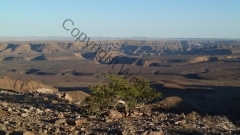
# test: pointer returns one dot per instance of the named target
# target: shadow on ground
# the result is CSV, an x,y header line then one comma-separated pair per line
x,y
83,89
212,100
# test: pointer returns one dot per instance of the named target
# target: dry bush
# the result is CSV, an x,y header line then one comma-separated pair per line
x,y
132,95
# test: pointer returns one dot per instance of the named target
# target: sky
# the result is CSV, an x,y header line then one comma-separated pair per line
x,y
115,18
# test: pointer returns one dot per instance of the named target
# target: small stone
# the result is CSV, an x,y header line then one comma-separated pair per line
x,y
47,110
26,110
3,127
9,109
151,124
78,103
24,114
78,116
180,122
124,132
132,115
36,95
82,129
182,116
72,128
31,108
19,123
79,122
225,127
125,113
192,116
6,122
38,111
60,121
92,117
138,113
145,133
54,101
155,133
146,114
108,120
4,104
57,130
60,115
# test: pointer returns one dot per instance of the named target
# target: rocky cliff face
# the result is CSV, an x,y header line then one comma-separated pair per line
x,y
55,50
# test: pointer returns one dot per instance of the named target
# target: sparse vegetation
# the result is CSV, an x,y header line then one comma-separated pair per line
x,y
120,94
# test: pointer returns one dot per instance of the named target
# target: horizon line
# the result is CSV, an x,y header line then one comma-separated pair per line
x,y
120,37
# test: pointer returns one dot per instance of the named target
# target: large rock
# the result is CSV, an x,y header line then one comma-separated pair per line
x,y
114,114
73,96
18,85
175,105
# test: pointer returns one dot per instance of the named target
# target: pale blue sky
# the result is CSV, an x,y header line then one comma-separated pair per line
x,y
109,18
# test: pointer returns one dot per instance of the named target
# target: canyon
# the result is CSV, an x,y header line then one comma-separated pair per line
x,y
202,73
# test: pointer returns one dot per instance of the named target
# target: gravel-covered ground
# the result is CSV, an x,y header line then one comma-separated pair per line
x,y
38,113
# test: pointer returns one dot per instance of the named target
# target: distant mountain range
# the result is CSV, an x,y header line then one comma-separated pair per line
x,y
59,38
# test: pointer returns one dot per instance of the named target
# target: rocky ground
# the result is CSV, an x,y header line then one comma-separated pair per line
x,y
33,113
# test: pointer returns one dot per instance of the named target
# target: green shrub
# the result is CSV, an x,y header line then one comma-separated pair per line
x,y
107,96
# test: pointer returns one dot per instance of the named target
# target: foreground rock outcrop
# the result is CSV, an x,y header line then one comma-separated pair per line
x,y
36,113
